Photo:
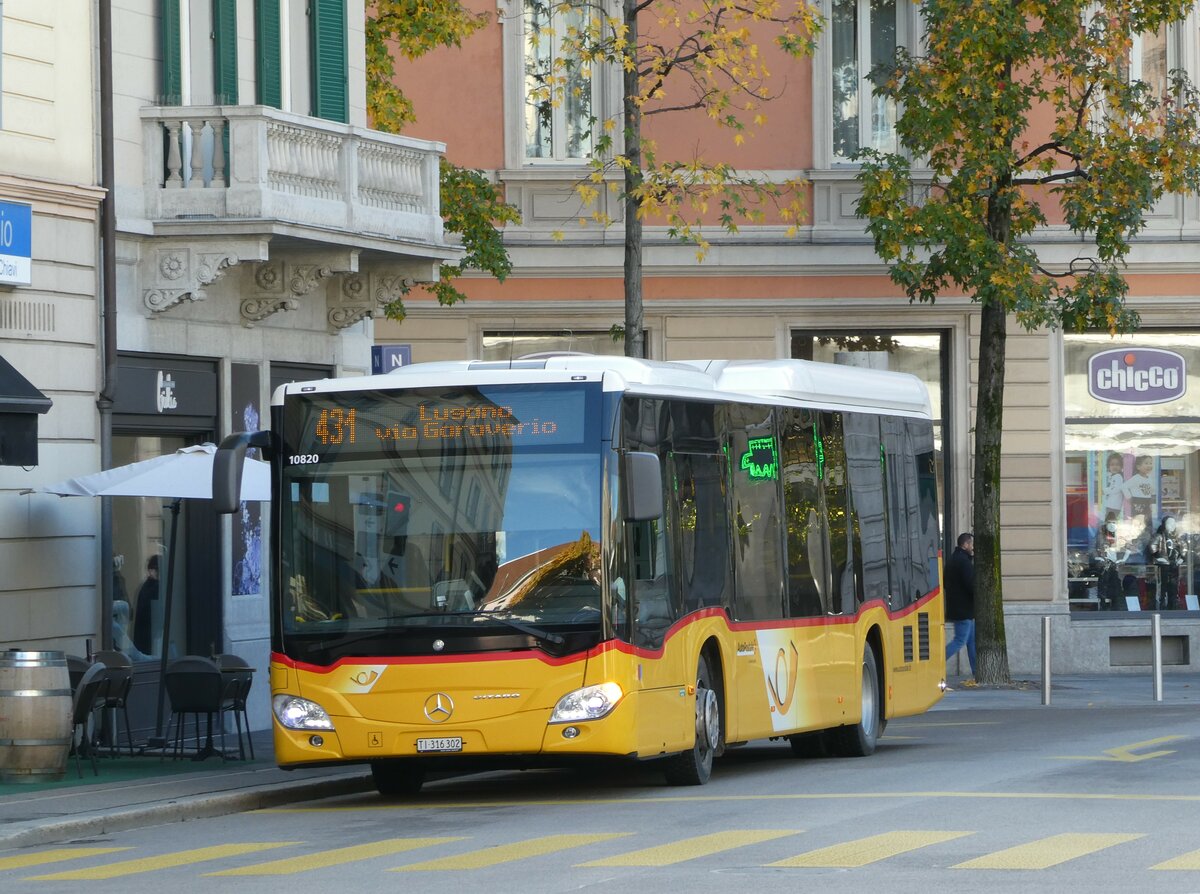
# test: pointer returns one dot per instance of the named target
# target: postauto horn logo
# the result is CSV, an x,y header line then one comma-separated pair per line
x,y
1137,376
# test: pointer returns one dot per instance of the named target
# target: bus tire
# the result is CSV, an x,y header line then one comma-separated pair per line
x,y
395,779
859,740
694,766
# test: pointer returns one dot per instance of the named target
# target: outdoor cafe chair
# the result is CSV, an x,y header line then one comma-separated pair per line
x,y
239,678
119,677
77,666
195,686
88,695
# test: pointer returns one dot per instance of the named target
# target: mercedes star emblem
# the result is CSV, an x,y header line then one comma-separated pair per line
x,y
439,707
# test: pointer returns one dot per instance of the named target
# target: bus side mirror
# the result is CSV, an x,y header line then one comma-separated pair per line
x,y
643,496
228,464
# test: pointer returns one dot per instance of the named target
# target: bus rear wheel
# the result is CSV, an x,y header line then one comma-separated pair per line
x,y
694,766
395,779
859,740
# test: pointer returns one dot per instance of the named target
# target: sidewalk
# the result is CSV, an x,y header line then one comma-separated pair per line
x,y
140,791
145,790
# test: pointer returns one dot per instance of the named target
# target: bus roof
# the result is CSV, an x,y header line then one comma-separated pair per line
x,y
825,385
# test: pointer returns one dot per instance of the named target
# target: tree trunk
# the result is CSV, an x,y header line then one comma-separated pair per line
x,y
991,645
633,204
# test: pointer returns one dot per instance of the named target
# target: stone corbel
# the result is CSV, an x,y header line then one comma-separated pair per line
x,y
178,273
364,295
280,286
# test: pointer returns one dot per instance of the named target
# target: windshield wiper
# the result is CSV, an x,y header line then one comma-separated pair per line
x,y
536,632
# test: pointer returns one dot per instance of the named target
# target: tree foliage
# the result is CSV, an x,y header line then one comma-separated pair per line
x,y
472,206
699,56
1019,114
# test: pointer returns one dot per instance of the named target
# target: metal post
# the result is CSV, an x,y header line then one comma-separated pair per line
x,y
1046,660
1156,640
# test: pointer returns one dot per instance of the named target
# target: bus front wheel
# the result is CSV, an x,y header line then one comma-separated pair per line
x,y
395,779
694,766
859,740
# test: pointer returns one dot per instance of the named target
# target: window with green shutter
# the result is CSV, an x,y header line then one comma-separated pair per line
x,y
225,73
172,54
268,54
327,30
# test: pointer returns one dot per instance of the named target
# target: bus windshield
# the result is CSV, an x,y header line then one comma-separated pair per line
x,y
475,508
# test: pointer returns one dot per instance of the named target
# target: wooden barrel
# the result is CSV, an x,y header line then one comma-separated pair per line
x,y
35,716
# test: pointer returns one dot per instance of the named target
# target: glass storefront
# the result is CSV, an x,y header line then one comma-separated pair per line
x,y
1132,473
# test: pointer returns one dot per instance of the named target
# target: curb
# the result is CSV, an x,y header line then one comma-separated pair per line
x,y
36,832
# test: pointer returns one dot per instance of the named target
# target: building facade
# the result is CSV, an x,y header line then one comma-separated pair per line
x,y
762,293
260,224
49,217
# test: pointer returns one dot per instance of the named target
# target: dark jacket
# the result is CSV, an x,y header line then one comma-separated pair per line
x,y
960,586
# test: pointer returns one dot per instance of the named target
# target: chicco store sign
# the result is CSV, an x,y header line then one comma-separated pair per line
x,y
1137,376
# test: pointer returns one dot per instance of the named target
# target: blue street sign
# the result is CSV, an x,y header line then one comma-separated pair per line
x,y
385,358
16,241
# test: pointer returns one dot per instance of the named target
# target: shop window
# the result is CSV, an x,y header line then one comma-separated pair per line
x,y
1132,471
514,345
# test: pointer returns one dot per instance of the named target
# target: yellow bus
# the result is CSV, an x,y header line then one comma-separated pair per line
x,y
544,560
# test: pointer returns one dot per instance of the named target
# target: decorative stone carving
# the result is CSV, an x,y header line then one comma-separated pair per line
x,y
281,284
180,273
364,295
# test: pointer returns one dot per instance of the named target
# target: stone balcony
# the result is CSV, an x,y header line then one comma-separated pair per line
x,y
225,185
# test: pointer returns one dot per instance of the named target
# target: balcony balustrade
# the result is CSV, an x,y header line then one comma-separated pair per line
x,y
215,165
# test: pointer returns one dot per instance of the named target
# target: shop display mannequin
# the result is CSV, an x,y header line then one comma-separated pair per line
x,y
1168,552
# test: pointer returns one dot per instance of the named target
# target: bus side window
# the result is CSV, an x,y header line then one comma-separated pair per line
x,y
702,508
845,552
652,583
807,543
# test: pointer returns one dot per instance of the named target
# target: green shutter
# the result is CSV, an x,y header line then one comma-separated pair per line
x,y
172,54
225,74
268,53
327,29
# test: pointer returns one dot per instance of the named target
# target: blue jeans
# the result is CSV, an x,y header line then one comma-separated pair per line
x,y
964,635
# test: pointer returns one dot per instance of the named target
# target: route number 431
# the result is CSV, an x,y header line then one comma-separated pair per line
x,y
336,426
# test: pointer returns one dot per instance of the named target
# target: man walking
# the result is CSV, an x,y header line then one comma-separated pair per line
x,y
960,598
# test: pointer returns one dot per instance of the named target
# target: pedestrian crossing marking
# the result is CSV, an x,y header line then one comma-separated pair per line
x,y
57,855
1047,852
868,850
336,857
691,848
508,853
1189,860
165,861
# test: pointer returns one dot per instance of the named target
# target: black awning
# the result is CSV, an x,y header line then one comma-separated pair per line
x,y
20,404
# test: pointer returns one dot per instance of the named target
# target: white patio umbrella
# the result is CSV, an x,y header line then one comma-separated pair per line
x,y
185,474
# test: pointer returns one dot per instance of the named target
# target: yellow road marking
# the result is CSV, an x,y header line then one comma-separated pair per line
x,y
1183,861
335,857
166,861
1047,852
57,855
691,848
507,853
868,850
1125,752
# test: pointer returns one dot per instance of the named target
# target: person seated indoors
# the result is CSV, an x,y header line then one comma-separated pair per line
x,y
121,639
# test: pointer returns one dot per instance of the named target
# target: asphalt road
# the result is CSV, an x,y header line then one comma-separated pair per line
x,y
1102,799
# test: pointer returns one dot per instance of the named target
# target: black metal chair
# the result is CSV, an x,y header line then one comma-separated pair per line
x,y
88,695
239,678
77,666
116,694
195,686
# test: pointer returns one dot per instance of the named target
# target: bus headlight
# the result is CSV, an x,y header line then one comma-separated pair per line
x,y
294,712
588,703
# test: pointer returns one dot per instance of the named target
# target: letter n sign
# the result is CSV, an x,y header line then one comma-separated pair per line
x,y
385,358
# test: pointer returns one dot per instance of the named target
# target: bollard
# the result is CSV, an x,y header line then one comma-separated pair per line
x,y
1156,642
1046,660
